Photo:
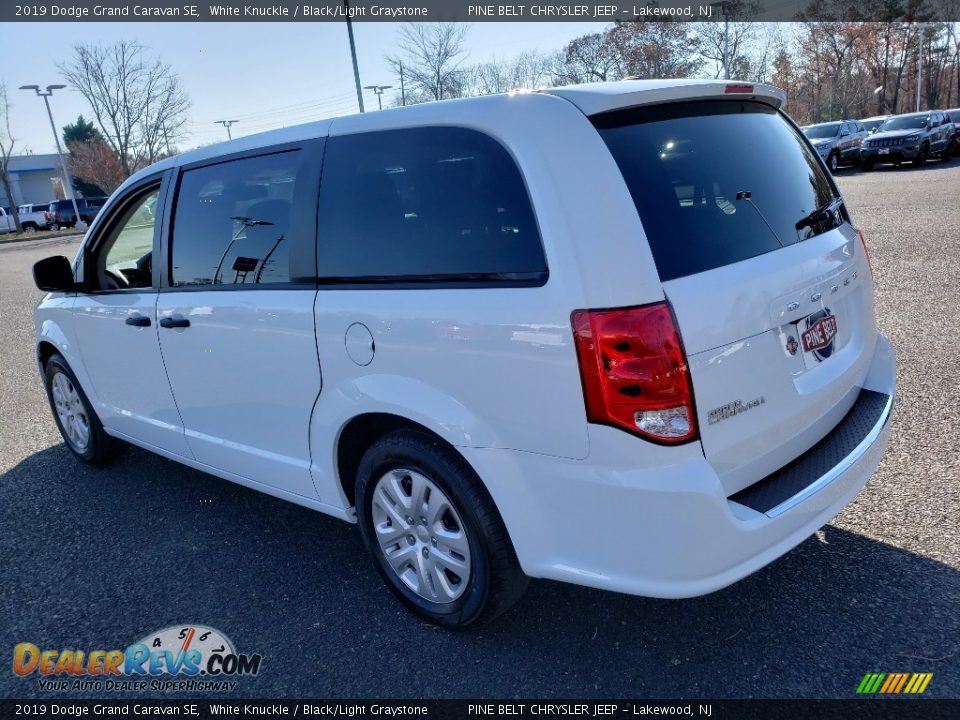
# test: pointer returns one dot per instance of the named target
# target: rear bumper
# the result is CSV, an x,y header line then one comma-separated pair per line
x,y
668,529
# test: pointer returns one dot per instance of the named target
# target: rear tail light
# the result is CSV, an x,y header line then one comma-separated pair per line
x,y
736,89
866,253
635,373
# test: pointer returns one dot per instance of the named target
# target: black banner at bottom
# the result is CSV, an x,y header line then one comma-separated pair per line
x,y
908,709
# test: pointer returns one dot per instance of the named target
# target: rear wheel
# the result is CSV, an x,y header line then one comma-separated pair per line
x,y
75,418
833,162
947,154
29,228
433,531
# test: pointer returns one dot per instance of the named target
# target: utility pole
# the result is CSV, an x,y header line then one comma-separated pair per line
x,y
919,64
724,6
226,124
353,54
378,91
68,188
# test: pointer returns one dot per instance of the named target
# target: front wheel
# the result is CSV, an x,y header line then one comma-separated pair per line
x,y
921,158
75,418
433,531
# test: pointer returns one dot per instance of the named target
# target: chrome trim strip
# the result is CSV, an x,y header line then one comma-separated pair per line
x,y
841,467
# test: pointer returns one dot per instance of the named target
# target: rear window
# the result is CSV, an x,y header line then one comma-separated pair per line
x,y
717,182
422,205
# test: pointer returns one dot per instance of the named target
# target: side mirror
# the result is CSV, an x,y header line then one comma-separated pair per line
x,y
54,274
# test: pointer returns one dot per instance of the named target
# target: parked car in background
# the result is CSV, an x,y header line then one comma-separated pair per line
x,y
872,124
7,225
62,214
620,335
914,136
838,143
954,116
34,217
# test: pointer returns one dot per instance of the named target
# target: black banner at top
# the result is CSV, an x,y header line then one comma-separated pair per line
x,y
477,10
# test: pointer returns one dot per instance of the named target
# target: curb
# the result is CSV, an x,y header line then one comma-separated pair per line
x,y
14,241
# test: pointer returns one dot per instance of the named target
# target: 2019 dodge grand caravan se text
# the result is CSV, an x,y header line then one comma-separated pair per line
x,y
619,335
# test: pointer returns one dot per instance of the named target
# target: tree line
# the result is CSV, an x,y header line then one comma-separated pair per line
x,y
829,69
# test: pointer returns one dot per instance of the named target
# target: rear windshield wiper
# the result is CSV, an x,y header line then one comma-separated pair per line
x,y
818,214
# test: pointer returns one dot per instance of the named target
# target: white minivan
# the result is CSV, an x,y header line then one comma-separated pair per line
x,y
620,335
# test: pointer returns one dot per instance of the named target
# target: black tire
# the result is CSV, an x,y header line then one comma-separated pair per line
x,y
495,581
922,155
29,228
947,154
833,161
867,165
100,448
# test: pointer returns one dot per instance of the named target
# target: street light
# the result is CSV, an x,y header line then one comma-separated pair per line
x,y
378,91
226,124
724,6
68,182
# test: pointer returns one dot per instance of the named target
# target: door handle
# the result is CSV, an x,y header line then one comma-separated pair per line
x,y
138,321
169,322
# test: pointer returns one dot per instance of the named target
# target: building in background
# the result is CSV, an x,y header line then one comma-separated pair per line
x,y
33,179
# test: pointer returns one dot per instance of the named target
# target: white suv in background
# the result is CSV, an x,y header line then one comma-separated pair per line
x,y
619,335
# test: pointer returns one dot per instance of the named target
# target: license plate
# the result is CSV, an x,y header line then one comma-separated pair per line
x,y
820,334
883,151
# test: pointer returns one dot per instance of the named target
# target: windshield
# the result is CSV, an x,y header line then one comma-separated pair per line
x,y
827,130
707,193
910,122
871,124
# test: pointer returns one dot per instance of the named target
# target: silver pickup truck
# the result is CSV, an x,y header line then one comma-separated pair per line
x,y
34,217
7,224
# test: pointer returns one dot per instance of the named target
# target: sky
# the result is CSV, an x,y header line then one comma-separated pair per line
x,y
262,75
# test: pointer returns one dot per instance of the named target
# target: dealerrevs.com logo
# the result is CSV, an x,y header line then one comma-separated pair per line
x,y
184,658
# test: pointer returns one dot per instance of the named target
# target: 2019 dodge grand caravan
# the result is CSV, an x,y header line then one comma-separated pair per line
x,y
620,335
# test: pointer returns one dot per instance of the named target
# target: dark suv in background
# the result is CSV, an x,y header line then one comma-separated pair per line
x,y
62,214
915,136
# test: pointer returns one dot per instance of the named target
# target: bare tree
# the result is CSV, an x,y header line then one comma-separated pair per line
x,y
95,162
7,144
137,100
431,55
529,69
589,58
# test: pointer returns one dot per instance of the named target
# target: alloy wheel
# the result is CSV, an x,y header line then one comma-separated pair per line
x,y
71,412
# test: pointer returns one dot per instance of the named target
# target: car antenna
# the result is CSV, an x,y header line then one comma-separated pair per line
x,y
748,195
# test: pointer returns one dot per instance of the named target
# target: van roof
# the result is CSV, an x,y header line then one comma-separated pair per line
x,y
589,98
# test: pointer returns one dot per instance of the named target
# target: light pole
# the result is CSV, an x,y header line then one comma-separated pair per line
x,y
353,54
378,91
724,6
226,124
68,182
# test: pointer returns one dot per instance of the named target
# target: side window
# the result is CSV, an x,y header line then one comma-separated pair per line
x,y
425,204
231,222
124,259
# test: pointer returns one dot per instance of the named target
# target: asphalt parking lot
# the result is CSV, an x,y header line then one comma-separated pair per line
x,y
99,558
